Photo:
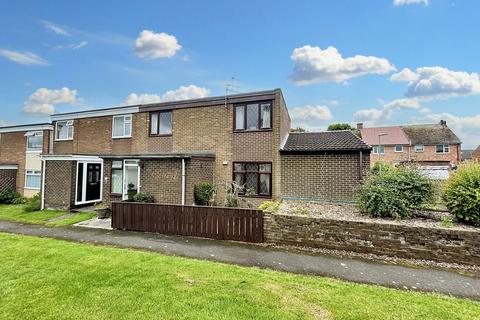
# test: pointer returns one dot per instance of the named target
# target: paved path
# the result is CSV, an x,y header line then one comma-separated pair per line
x,y
252,255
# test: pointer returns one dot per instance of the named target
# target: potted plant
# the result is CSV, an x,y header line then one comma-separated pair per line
x,y
131,191
102,210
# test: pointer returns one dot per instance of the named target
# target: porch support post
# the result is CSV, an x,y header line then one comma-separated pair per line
x,y
183,181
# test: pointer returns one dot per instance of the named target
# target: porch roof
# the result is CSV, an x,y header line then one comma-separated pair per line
x,y
169,155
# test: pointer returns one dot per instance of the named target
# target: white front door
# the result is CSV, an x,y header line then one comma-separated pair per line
x,y
131,177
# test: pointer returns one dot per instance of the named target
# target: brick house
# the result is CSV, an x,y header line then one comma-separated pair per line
x,y
20,150
476,154
167,148
434,147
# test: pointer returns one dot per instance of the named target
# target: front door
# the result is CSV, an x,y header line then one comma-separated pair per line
x,y
89,182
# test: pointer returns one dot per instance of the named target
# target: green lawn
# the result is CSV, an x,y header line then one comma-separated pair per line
x,y
52,279
16,213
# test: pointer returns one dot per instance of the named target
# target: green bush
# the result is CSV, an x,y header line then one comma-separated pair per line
x,y
32,204
203,193
143,197
394,192
462,193
10,197
270,206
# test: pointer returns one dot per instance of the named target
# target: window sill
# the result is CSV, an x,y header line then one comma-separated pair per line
x,y
115,194
34,151
30,188
161,135
256,130
126,137
64,139
256,196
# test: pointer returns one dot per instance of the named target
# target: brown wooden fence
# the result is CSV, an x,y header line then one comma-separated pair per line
x,y
197,221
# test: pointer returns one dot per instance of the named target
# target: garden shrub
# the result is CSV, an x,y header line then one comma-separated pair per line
x,y
462,193
270,206
203,193
143,197
394,192
32,204
10,197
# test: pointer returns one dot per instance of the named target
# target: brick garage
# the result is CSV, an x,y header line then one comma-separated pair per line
x,y
443,245
8,179
323,166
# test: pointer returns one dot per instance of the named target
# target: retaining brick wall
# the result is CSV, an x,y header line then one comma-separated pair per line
x,y
457,246
8,179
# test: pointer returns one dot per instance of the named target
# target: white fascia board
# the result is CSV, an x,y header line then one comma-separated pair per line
x,y
8,166
73,157
95,113
26,128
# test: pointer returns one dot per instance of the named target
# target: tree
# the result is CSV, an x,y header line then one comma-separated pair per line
x,y
298,129
340,126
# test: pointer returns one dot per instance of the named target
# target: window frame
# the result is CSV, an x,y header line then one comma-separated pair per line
x,y
39,173
259,126
124,136
111,176
444,147
158,134
35,134
66,124
378,146
395,148
419,151
258,172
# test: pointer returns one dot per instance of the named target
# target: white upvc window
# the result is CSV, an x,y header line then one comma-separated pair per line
x,y
33,179
398,148
419,148
34,141
442,148
378,149
64,130
122,126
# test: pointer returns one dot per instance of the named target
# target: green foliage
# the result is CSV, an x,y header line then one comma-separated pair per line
x,y
447,222
203,193
298,129
380,166
10,197
300,211
340,126
270,206
462,193
143,197
32,204
394,192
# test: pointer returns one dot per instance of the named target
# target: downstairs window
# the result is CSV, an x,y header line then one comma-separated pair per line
x,y
255,177
117,177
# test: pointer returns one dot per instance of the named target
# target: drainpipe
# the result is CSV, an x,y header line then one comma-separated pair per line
x,y
183,181
43,185
360,169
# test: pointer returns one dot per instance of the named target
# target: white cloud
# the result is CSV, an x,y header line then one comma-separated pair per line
x,y
42,102
72,46
438,82
26,58
375,114
424,110
467,128
407,2
311,113
55,28
314,65
150,45
399,104
182,93
369,114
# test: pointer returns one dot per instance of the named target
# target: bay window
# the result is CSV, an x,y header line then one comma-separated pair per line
x,y
254,177
253,116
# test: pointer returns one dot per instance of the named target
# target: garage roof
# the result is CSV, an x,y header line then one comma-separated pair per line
x,y
344,140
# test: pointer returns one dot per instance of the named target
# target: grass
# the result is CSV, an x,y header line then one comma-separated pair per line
x,y
52,279
17,214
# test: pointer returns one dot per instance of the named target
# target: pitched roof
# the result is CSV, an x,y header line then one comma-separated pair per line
x,y
344,140
467,154
390,135
430,134
476,153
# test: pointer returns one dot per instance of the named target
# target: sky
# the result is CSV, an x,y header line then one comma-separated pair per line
x,y
381,62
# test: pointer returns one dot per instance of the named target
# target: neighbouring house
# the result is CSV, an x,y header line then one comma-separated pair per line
x,y
20,150
476,154
467,154
167,148
433,147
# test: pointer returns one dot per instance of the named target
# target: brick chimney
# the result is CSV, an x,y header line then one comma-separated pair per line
x,y
360,126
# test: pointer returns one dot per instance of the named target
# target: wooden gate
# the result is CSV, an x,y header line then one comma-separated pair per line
x,y
198,221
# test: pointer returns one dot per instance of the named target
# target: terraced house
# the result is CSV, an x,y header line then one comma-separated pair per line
x,y
20,150
167,148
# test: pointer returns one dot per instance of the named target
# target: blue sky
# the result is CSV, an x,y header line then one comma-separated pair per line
x,y
379,62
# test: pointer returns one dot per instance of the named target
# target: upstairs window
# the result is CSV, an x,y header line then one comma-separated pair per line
x,y
253,116
161,123
378,149
419,148
34,141
256,178
442,148
398,148
122,126
64,130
